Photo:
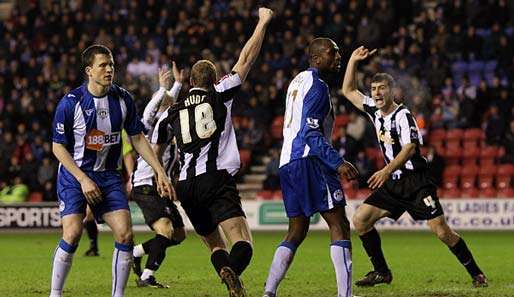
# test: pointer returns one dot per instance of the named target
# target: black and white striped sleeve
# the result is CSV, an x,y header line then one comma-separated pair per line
x,y
163,132
369,106
228,86
408,130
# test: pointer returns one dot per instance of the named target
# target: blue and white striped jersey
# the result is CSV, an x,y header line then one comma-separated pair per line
x,y
308,121
90,127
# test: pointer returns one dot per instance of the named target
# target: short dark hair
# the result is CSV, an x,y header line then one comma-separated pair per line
x,y
383,77
88,55
319,45
203,74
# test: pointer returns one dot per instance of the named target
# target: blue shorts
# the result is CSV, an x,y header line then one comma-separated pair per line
x,y
73,201
309,186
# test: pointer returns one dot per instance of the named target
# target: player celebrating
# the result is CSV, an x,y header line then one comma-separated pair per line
x,y
202,126
87,142
160,214
310,169
404,183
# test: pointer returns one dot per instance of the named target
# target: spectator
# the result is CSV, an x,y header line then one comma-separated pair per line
x,y
494,127
16,193
272,181
508,144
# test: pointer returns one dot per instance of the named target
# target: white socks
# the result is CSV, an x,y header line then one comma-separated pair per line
x,y
340,252
138,251
62,263
281,261
121,261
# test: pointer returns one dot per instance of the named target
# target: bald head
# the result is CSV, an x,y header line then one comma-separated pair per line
x,y
324,54
319,45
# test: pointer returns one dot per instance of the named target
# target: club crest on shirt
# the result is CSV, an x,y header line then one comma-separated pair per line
x,y
313,123
385,137
413,133
62,206
102,113
338,195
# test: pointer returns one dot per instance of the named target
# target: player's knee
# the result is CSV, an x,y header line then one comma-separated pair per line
x,y
72,237
359,223
125,237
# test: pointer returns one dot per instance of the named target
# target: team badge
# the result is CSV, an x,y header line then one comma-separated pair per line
x,y
62,206
338,195
102,113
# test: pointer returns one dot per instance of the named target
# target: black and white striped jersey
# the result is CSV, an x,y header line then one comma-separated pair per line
x,y
393,132
201,124
143,173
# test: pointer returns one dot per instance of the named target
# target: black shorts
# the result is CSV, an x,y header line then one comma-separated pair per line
x,y
155,207
414,193
209,199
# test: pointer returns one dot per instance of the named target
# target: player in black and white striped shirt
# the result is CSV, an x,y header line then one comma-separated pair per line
x,y
160,213
404,183
201,123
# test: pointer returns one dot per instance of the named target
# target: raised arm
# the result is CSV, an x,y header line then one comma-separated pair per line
x,y
349,88
252,47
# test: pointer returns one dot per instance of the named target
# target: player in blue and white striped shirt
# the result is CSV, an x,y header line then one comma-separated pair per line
x,y
310,168
87,142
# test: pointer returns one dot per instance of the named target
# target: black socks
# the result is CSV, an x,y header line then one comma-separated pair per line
x,y
373,246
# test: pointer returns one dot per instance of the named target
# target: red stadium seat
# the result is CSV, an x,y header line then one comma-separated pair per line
x,y
469,193
451,193
470,153
487,170
505,193
471,170
487,193
503,181
35,197
467,181
264,195
454,134
453,156
485,182
505,169
473,134
276,127
277,195
453,144
438,135
488,152
341,120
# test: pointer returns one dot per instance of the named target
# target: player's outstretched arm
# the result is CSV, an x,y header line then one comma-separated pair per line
x,y
253,46
89,188
157,98
349,88
143,148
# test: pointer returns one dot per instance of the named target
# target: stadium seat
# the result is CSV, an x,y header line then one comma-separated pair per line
x,y
505,193
487,193
470,153
341,120
453,155
473,134
488,152
485,182
437,136
454,134
277,195
276,127
505,169
469,193
451,193
503,181
467,181
35,197
264,195
450,176
487,170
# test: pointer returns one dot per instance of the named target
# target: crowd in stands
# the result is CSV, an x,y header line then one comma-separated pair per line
x,y
452,60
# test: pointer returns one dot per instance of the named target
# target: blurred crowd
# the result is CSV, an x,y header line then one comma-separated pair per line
x,y
452,59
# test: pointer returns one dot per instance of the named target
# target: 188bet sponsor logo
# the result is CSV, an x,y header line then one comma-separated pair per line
x,y
96,139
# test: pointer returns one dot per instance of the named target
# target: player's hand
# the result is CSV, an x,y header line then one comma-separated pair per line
x,y
164,187
361,53
265,14
178,75
164,78
91,191
348,171
378,178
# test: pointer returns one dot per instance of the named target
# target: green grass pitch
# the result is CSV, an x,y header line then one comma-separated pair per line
x,y
422,266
